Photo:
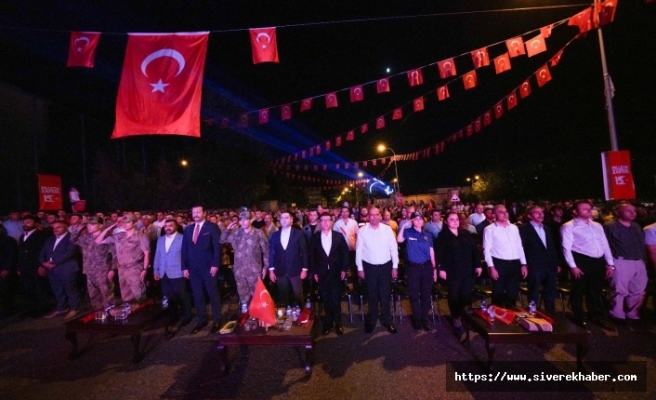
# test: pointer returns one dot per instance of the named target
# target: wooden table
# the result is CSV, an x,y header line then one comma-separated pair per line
x,y
134,325
564,331
302,337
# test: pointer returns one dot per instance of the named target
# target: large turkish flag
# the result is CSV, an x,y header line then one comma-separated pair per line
x,y
161,85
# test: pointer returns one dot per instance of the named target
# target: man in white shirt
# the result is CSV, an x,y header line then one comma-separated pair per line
x,y
504,255
349,228
377,260
589,257
478,216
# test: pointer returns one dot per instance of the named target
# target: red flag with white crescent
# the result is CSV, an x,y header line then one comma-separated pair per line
x,y
380,122
511,100
306,104
498,110
397,114
364,128
515,46
263,116
286,112
161,84
264,45
318,149
243,120
262,306
478,124
469,130
443,92
502,63
480,58
582,20
356,93
82,49
546,31
382,85
556,58
328,145
447,68
350,135
543,75
536,45
487,118
469,79
338,141
525,89
607,13
414,77
418,104
331,100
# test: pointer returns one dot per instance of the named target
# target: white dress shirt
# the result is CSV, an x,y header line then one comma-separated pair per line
x,y
584,237
27,234
168,240
327,243
284,237
376,246
502,242
58,239
476,218
349,229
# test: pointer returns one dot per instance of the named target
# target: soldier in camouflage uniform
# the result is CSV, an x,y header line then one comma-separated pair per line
x,y
97,263
251,254
132,253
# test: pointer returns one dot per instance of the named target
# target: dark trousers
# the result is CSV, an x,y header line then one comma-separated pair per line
x,y
285,283
63,283
378,279
6,293
460,293
201,282
35,291
175,290
545,278
420,286
330,287
588,285
506,288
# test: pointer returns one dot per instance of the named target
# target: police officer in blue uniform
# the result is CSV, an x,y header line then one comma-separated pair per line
x,y
421,268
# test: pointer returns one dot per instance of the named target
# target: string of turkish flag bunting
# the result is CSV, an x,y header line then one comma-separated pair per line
x,y
330,183
156,112
542,77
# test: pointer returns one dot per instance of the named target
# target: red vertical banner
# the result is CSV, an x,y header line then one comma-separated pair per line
x,y
618,179
50,192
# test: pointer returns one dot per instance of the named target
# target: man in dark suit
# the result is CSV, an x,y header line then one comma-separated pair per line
x,y
541,258
288,260
29,268
329,259
59,256
201,257
514,212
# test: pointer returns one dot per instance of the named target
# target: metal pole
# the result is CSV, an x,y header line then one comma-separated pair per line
x,y
609,91
396,169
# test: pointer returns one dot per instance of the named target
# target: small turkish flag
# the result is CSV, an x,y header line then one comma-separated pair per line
x,y
350,135
303,154
515,46
536,46
383,160
447,68
346,165
380,122
161,85
478,124
546,31
373,162
443,92
243,121
383,85
469,130
487,118
543,75
511,100
397,114
364,163
331,100
498,110
306,104
82,49
502,63
263,116
225,123
338,141
480,58
607,14
364,128
286,112
328,145
459,134
556,58
525,89
356,165
325,167
357,94
262,306
311,151
469,79
414,77
418,104
582,20
264,45
318,150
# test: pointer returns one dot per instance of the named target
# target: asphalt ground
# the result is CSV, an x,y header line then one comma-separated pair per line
x,y
409,365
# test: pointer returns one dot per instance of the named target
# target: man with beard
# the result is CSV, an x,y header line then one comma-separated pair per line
x,y
30,269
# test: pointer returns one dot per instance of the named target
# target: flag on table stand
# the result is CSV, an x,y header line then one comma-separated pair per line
x,y
264,45
82,49
262,306
161,84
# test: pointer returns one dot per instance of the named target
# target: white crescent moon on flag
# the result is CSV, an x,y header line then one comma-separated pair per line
x,y
535,43
417,103
515,44
262,34
382,83
331,97
525,87
543,73
357,91
499,108
82,38
447,66
501,62
285,109
511,99
478,124
264,113
469,78
174,54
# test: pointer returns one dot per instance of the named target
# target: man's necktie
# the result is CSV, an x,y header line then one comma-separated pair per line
x,y
196,231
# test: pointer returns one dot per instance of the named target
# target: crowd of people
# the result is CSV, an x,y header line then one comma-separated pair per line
x,y
129,256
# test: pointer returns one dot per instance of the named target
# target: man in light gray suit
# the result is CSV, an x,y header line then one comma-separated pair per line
x,y
168,270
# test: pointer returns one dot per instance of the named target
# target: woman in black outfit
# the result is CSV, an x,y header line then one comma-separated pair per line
x,y
457,256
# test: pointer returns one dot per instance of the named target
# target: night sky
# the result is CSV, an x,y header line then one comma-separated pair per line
x,y
561,126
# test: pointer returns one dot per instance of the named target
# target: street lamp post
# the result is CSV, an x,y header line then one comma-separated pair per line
x,y
381,148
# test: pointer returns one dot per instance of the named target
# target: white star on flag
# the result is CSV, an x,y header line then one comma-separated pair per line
x,y
159,86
